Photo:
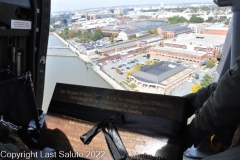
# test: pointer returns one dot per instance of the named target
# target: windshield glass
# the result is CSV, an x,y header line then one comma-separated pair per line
x,y
169,48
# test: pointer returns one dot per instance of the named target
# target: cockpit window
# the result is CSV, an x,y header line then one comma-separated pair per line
x,y
167,48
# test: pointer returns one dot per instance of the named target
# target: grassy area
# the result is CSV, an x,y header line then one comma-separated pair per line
x,y
130,85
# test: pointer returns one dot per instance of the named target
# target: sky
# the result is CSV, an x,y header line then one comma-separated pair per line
x,y
65,5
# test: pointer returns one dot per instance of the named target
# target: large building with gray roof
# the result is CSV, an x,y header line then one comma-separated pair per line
x,y
171,31
162,77
128,45
112,29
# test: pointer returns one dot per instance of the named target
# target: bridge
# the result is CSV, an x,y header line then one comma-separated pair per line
x,y
58,47
61,54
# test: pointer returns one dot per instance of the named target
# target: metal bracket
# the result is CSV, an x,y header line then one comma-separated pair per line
x,y
9,124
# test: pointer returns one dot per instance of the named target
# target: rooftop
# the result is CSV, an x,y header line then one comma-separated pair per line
x,y
199,53
126,43
198,40
161,73
112,28
130,31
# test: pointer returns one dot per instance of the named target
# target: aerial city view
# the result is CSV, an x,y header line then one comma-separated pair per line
x,y
165,48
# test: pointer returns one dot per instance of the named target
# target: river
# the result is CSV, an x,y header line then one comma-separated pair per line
x,y
70,70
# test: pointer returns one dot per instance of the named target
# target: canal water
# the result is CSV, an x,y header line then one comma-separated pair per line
x,y
69,70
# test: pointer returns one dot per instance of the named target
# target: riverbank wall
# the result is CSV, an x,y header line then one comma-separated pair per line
x,y
85,58
109,80
96,69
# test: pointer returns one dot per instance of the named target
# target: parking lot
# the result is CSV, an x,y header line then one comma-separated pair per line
x,y
124,64
83,47
77,45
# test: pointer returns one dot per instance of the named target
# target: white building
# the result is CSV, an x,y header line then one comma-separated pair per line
x,y
125,35
197,27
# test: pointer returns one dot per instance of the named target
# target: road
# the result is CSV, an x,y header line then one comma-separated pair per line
x,y
186,86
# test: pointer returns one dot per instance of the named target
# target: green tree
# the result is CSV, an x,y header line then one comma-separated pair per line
x,y
195,88
132,85
133,37
210,63
52,30
177,19
210,19
66,31
97,35
111,38
86,36
148,56
150,10
155,31
71,34
78,34
219,55
223,18
207,79
195,19
227,22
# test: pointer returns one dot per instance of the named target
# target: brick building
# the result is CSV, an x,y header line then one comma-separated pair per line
x,y
125,53
117,47
181,56
110,58
162,77
215,31
141,42
171,31
191,49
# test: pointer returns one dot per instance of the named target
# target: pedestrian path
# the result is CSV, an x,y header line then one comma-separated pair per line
x,y
109,80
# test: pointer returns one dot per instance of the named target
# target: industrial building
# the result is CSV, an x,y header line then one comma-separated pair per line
x,y
189,49
142,42
222,31
171,31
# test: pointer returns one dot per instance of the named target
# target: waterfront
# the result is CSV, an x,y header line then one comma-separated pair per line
x,y
70,70
66,66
